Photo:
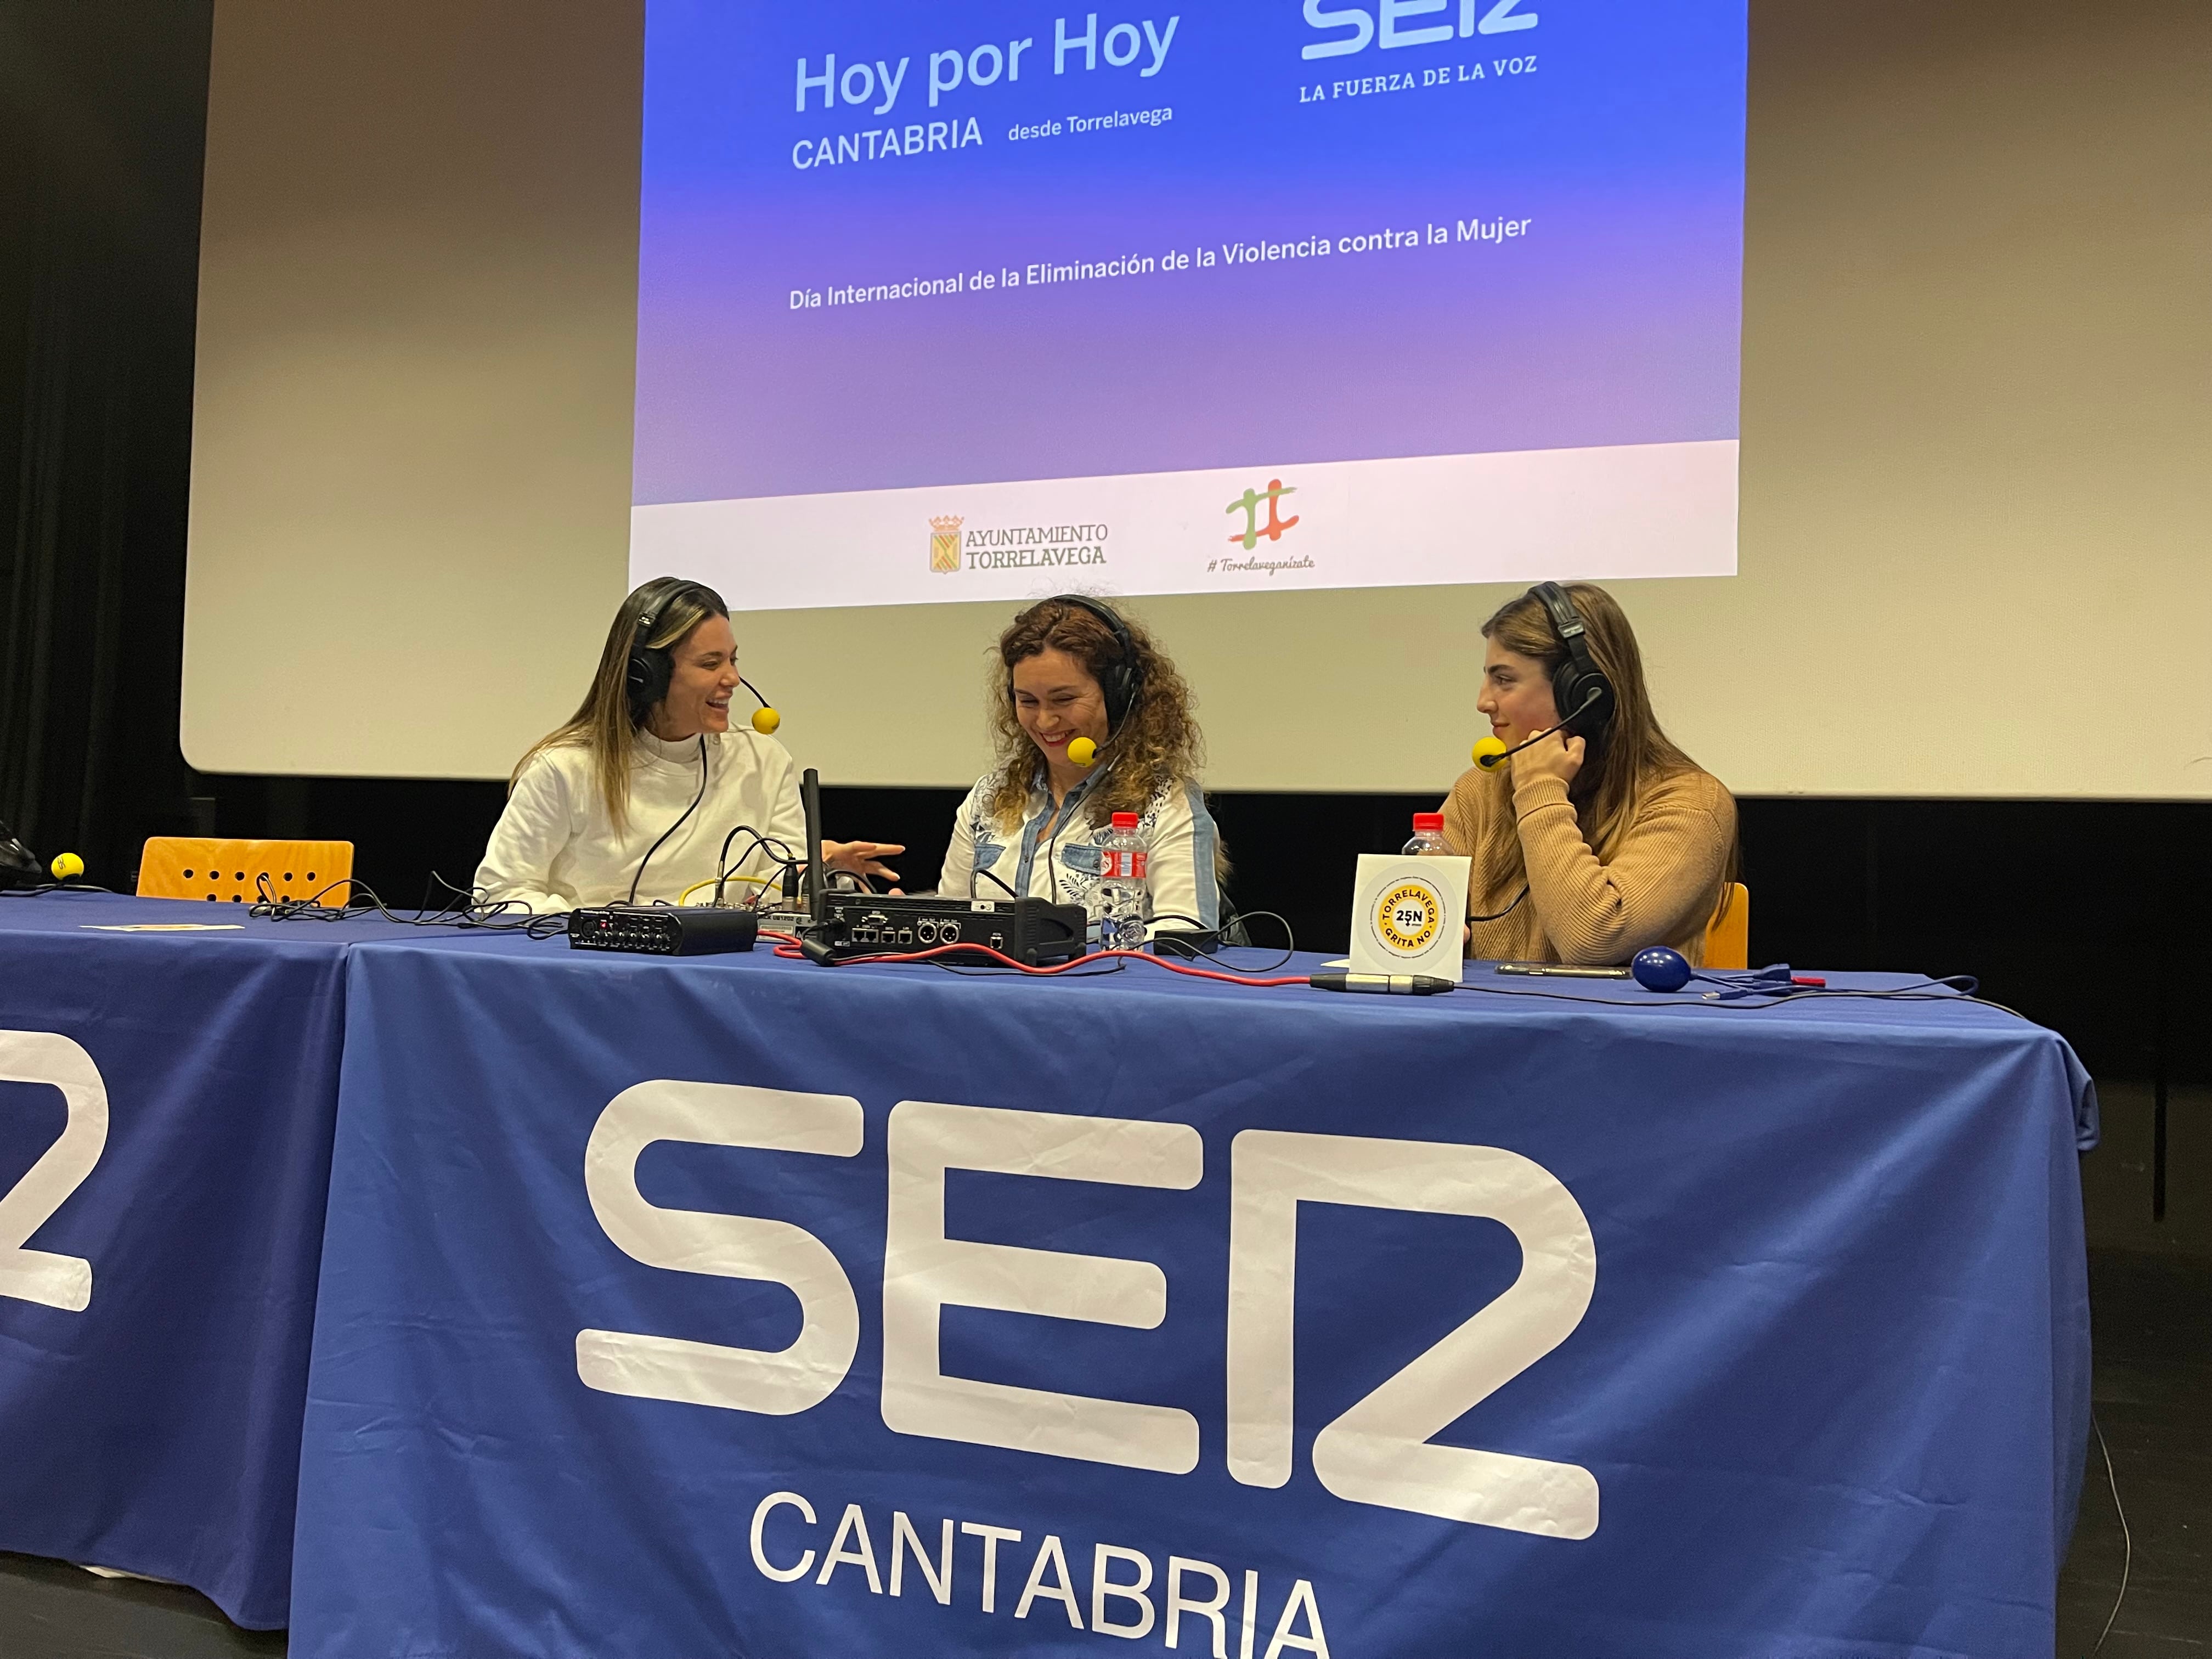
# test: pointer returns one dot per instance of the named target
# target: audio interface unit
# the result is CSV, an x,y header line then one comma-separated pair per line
x,y
1032,931
662,930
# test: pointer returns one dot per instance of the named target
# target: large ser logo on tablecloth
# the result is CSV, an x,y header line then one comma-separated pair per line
x,y
1377,1452
1380,1452
43,1276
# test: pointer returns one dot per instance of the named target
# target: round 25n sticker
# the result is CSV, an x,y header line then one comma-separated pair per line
x,y
1407,917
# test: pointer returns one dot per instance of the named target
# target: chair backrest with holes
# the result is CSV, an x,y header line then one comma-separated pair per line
x,y
1727,935
229,871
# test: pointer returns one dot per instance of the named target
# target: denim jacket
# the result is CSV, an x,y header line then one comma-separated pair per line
x,y
990,861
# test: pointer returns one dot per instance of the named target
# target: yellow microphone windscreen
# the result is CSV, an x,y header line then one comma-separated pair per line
x,y
1082,752
66,867
1488,752
765,720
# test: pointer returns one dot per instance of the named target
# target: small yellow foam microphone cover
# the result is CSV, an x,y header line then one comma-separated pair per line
x,y
765,720
1082,752
1488,752
66,866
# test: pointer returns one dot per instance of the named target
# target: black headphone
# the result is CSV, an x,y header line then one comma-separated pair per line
x,y
1579,687
1123,680
651,667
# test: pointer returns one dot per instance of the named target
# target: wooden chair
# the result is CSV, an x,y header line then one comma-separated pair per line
x,y
229,871
1727,935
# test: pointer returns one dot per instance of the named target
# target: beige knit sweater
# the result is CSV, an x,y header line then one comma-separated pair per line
x,y
1661,888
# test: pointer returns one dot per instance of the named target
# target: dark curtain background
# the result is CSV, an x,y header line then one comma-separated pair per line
x,y
2092,917
102,112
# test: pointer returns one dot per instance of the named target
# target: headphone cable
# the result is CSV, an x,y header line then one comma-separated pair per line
x,y
1060,814
1500,916
1051,850
674,827
1060,811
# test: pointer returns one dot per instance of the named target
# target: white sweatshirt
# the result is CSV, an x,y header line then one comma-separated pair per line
x,y
555,849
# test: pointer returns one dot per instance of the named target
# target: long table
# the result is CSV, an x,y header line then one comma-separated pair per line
x,y
677,1308
167,1100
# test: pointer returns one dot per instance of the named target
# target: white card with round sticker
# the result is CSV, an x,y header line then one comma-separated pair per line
x,y
1407,913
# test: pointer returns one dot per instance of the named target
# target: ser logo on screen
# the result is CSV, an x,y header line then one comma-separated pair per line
x,y
1475,17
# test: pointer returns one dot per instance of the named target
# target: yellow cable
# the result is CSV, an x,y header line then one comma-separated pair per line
x,y
685,897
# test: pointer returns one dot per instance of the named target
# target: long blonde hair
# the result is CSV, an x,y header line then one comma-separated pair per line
x,y
1156,744
665,610
1620,761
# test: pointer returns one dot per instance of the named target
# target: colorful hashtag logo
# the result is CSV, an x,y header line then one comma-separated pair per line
x,y
1248,504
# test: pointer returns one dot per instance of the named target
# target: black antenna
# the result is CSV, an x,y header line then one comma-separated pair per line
x,y
810,797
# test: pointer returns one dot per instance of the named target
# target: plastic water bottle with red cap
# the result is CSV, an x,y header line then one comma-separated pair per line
x,y
1428,839
1120,902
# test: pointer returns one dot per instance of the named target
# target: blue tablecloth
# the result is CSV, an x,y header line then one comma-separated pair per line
x,y
678,1308
165,1136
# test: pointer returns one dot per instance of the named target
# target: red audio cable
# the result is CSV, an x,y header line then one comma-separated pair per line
x,y
789,947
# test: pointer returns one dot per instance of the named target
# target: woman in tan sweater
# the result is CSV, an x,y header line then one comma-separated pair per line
x,y
1592,844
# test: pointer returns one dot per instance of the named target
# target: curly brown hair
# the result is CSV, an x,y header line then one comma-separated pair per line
x,y
1157,743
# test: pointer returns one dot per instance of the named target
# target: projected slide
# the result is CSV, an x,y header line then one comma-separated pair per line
x,y
975,301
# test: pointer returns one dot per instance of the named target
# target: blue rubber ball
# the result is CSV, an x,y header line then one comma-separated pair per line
x,y
1661,968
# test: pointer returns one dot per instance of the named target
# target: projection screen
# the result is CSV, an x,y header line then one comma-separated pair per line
x,y
1969,546
938,303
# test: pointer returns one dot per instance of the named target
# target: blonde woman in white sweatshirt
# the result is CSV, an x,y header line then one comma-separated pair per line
x,y
632,799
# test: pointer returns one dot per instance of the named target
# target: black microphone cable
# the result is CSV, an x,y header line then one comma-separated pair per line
x,y
1059,822
674,827
976,870
1051,860
777,851
1491,764
1500,916
1236,919
1060,816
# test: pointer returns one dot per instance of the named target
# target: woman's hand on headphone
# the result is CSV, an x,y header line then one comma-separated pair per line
x,y
1547,759
860,857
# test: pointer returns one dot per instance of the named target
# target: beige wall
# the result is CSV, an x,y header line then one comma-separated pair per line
x,y
1977,430
411,442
